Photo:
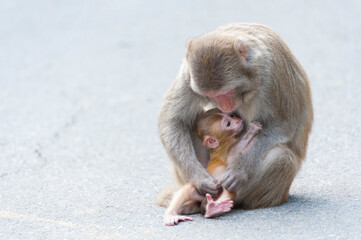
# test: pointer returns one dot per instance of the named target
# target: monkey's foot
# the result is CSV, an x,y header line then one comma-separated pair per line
x,y
215,208
171,220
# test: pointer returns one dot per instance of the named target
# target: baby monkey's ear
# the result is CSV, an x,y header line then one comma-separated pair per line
x,y
210,142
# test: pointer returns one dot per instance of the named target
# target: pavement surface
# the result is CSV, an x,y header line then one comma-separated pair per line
x,y
81,85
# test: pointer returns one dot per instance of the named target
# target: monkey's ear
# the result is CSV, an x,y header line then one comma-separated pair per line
x,y
210,142
241,50
248,50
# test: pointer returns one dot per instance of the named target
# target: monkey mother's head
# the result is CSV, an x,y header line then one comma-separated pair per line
x,y
220,69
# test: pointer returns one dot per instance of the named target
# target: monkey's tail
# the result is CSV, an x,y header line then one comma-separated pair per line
x,y
166,194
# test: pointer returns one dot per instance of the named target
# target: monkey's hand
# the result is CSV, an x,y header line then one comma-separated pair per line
x,y
208,184
233,178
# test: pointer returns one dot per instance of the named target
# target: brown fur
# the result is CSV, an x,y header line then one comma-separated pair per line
x,y
271,87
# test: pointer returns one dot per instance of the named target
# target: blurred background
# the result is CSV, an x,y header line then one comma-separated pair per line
x,y
81,85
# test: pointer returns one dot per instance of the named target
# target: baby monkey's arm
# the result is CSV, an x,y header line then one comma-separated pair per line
x,y
247,140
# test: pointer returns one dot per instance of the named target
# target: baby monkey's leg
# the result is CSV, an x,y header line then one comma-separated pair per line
x,y
224,202
186,193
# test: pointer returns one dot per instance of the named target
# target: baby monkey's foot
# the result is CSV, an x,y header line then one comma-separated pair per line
x,y
171,220
215,208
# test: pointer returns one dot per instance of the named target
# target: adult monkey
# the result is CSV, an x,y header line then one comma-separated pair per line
x,y
247,69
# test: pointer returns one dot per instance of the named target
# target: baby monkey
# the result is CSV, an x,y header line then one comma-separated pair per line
x,y
223,135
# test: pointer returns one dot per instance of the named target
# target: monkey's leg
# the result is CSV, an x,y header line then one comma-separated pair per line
x,y
270,186
217,171
190,207
224,202
165,195
186,193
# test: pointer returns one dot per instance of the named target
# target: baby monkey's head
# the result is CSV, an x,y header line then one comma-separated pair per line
x,y
213,127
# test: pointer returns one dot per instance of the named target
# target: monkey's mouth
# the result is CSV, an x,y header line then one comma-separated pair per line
x,y
225,102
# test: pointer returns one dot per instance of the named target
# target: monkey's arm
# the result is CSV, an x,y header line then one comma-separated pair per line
x,y
178,114
245,163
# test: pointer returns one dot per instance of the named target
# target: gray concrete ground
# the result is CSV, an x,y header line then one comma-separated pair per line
x,y
81,87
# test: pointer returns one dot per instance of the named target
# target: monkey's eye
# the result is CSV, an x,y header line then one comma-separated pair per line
x,y
232,115
228,124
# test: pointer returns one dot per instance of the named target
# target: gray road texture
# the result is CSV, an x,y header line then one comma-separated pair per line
x,y
81,85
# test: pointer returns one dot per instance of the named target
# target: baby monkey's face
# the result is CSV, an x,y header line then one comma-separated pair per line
x,y
230,123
